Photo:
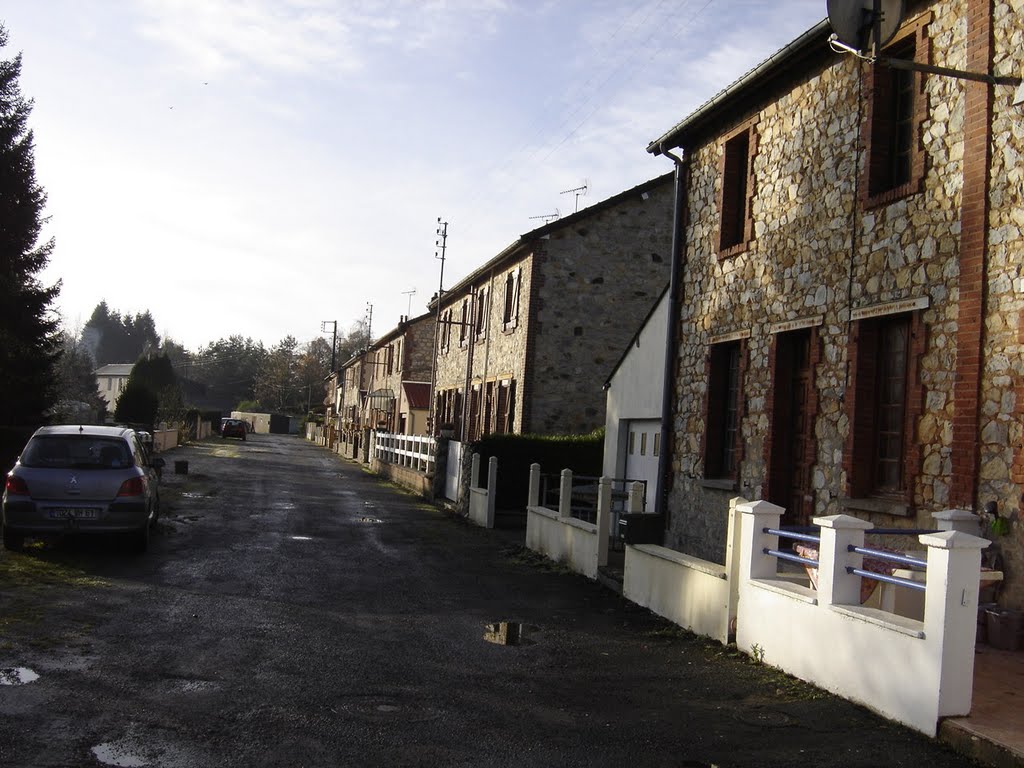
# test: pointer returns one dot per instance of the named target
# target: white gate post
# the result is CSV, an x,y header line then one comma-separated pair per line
x,y
604,514
951,612
533,497
565,494
635,502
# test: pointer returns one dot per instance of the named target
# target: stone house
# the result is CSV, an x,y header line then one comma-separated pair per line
x,y
851,301
533,333
386,387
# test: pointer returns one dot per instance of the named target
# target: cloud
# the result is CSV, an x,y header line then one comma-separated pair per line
x,y
214,37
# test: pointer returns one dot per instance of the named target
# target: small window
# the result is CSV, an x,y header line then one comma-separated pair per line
x,y
657,444
632,443
643,443
480,320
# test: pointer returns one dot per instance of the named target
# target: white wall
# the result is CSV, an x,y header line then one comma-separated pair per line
x,y
563,539
636,388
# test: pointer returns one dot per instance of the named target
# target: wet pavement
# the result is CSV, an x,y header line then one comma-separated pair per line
x,y
295,611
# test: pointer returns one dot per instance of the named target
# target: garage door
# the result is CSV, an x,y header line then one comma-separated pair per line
x,y
643,447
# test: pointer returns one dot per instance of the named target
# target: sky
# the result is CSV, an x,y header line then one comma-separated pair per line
x,y
267,168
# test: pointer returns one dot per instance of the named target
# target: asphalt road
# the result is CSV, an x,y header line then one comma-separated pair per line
x,y
295,611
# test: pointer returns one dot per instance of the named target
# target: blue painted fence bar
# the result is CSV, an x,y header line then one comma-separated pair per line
x,y
900,582
790,557
789,533
881,554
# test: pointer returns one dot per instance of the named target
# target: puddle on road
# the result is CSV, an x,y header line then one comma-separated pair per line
x,y
17,676
112,754
301,538
367,519
507,633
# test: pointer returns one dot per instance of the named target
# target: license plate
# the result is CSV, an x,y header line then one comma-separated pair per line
x,y
78,513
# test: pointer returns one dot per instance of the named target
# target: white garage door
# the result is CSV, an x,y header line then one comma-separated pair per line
x,y
643,447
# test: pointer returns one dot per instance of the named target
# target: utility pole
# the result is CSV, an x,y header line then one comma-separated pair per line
x,y
441,243
369,324
334,337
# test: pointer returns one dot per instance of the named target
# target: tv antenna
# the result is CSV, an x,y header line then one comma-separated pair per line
x,y
546,217
580,192
410,294
864,27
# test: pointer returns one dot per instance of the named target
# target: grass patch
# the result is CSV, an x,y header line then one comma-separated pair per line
x,y
519,555
27,571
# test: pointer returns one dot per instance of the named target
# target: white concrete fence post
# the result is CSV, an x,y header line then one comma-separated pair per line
x,y
951,612
604,515
732,559
962,520
635,503
565,494
474,471
758,515
533,495
838,533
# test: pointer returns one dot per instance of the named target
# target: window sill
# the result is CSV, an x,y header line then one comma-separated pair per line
x,y
508,328
890,196
733,250
719,484
882,506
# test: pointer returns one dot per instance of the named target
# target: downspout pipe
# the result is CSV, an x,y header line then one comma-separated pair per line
x,y
672,335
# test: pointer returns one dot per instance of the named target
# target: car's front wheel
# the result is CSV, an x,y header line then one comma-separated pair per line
x,y
15,542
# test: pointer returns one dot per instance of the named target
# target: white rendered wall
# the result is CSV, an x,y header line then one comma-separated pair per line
x,y
563,539
635,389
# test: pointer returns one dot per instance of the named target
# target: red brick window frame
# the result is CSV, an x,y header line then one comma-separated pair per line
x,y
883,403
897,107
736,191
724,410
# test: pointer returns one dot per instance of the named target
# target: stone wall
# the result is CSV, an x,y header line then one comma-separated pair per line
x,y
597,281
817,253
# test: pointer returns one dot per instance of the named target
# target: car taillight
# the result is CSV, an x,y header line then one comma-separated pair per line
x,y
132,487
16,486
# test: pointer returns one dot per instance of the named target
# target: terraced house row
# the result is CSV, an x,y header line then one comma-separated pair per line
x,y
845,325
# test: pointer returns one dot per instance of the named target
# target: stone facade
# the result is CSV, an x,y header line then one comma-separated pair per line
x,y
548,318
826,259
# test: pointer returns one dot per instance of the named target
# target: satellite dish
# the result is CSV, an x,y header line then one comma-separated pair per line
x,y
855,25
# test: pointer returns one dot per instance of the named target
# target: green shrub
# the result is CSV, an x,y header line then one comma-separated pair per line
x,y
583,454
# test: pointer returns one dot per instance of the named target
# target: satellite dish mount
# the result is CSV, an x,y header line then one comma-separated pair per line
x,y
869,25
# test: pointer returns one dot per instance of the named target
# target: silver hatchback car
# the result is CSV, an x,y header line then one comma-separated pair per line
x,y
82,479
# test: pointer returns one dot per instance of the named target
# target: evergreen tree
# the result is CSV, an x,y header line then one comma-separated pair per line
x,y
29,340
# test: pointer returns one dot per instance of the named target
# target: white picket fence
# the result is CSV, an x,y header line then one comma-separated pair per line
x,y
413,451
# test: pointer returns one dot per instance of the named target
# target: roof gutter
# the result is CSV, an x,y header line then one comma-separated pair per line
x,y
672,332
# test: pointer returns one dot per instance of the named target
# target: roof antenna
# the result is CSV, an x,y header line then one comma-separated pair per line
x,y
547,216
580,191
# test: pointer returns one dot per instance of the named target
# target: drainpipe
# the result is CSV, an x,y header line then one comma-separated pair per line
x,y
672,335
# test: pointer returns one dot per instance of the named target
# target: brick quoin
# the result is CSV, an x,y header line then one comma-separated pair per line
x,y
973,249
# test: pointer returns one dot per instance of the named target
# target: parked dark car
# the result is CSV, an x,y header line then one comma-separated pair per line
x,y
82,479
233,428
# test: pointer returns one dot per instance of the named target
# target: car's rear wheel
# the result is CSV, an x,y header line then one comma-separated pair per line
x,y
15,542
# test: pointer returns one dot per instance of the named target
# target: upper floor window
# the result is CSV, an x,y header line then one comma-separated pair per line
x,y
736,195
896,111
510,312
446,330
480,320
464,323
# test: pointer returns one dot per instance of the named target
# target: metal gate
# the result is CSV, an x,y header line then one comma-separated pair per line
x,y
453,471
